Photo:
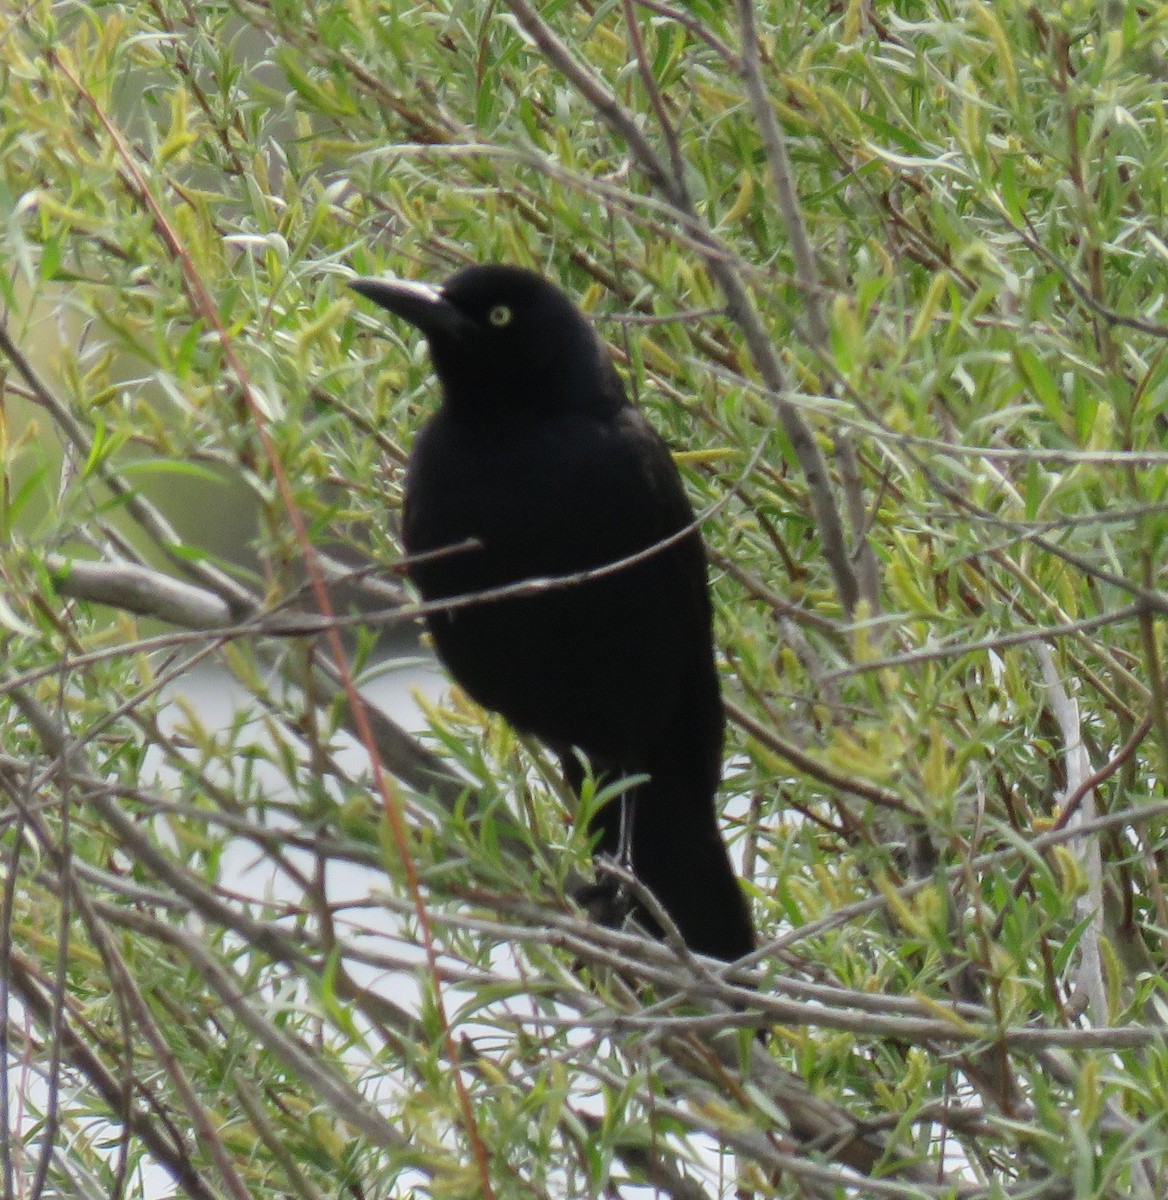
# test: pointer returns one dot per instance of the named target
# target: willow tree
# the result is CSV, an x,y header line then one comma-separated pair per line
x,y
890,280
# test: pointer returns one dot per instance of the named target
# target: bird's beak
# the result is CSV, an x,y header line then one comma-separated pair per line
x,y
422,305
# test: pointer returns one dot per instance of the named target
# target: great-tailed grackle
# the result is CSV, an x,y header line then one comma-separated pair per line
x,y
536,453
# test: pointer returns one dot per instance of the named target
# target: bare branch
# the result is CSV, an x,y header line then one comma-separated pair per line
x,y
141,590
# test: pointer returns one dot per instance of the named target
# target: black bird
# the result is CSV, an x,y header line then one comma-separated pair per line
x,y
536,453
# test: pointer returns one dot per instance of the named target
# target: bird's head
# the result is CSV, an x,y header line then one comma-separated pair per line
x,y
504,342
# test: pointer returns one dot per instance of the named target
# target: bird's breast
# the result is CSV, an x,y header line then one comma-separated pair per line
x,y
613,655
553,499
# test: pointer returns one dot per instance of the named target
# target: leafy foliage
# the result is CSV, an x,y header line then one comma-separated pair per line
x,y
248,960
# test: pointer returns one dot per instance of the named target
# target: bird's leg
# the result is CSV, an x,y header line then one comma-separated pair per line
x,y
620,900
606,900
624,854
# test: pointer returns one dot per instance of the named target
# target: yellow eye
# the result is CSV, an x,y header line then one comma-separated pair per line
x,y
499,316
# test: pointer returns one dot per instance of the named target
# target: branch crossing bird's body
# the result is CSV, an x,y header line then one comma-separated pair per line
x,y
537,455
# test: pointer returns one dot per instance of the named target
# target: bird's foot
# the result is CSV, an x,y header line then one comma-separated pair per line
x,y
607,902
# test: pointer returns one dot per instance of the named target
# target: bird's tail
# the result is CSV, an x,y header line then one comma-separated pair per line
x,y
679,855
